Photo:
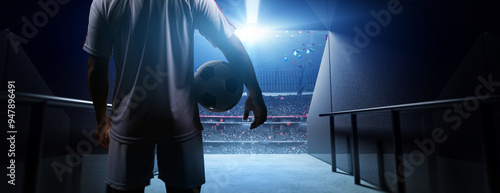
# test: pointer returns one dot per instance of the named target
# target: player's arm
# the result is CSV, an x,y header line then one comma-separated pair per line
x,y
99,90
238,57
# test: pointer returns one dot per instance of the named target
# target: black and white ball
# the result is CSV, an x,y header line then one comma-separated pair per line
x,y
218,86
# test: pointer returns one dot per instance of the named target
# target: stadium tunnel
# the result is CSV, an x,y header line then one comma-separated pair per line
x,y
363,96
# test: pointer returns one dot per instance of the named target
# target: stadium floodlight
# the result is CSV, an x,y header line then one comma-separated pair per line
x,y
250,33
252,10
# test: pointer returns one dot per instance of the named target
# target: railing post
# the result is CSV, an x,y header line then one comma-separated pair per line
x,y
489,150
398,151
332,143
33,155
355,149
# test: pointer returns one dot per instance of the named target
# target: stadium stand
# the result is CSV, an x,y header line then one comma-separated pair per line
x,y
284,132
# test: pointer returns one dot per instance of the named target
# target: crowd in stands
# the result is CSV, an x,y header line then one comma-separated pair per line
x,y
265,133
271,138
255,148
289,105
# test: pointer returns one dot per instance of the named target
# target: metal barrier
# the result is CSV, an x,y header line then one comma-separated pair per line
x,y
38,104
490,159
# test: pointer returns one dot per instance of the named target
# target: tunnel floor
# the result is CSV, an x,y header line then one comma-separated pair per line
x,y
250,173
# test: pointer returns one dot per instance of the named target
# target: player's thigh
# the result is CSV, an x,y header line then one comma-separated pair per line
x,y
181,165
130,166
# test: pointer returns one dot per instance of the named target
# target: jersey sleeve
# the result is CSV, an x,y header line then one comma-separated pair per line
x,y
98,41
211,22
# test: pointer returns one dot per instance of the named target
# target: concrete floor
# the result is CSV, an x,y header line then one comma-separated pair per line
x,y
245,173
276,173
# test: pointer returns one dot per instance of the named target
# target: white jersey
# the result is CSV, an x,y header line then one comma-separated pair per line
x,y
152,42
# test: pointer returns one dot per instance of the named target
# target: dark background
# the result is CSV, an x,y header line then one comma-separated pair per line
x,y
431,50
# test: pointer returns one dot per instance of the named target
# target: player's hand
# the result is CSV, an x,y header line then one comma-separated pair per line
x,y
256,104
102,132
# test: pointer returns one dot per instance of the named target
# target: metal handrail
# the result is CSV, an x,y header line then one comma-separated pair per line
x,y
486,131
55,100
410,106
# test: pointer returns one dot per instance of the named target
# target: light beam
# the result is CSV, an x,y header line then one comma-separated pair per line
x,y
252,10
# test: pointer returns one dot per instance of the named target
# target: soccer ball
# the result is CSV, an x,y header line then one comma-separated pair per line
x,y
218,87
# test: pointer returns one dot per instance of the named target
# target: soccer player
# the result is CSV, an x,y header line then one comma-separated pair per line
x,y
154,101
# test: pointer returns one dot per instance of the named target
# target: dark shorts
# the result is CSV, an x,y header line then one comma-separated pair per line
x,y
181,165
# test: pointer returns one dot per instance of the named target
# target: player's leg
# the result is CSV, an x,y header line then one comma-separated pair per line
x,y
181,165
130,167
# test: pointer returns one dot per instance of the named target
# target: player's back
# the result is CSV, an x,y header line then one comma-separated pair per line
x,y
152,41
153,48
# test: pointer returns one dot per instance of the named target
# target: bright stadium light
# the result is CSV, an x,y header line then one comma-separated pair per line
x,y
252,10
251,33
